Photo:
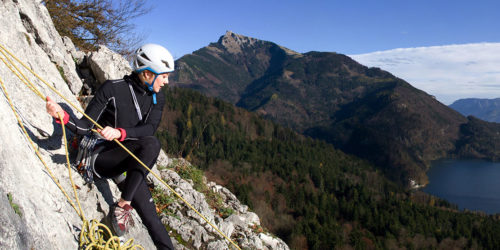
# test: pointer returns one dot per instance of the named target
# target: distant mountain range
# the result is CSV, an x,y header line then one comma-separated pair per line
x,y
364,111
449,72
484,109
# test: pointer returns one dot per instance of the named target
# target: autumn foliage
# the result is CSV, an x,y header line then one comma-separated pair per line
x,y
89,23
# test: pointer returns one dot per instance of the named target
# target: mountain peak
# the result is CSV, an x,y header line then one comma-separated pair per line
x,y
234,42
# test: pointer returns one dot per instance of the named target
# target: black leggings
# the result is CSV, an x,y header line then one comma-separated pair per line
x,y
113,161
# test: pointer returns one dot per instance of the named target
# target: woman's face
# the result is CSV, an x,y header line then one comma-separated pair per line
x,y
160,81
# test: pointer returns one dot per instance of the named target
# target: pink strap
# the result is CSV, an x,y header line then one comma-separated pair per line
x,y
123,132
65,118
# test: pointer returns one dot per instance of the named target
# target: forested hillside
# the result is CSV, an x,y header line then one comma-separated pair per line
x,y
363,111
306,191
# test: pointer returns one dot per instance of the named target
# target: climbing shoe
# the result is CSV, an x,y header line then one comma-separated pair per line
x,y
121,218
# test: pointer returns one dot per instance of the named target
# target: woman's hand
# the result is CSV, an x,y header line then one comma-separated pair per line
x,y
53,108
110,133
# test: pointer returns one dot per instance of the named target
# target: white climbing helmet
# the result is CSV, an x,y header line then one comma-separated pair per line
x,y
154,58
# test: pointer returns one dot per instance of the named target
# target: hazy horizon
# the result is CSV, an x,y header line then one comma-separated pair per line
x,y
448,72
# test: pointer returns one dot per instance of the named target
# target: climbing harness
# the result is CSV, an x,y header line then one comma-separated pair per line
x,y
85,159
93,234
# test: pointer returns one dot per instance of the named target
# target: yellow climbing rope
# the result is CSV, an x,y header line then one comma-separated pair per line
x,y
88,229
92,234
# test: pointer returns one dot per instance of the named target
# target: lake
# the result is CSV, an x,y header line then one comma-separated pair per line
x,y
471,184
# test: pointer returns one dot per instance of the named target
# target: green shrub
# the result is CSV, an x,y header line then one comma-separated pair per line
x,y
14,206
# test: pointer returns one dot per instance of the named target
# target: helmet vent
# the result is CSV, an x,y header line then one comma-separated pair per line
x,y
166,63
145,57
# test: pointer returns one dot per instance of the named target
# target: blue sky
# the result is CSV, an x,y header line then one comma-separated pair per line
x,y
347,27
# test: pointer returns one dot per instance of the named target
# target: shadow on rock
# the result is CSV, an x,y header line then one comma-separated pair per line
x,y
103,187
50,142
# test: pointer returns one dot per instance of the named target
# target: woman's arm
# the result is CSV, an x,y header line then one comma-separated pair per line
x,y
94,110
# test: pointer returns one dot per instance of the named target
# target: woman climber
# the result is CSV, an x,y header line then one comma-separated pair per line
x,y
129,110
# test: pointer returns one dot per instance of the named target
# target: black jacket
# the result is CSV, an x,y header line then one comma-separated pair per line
x,y
113,105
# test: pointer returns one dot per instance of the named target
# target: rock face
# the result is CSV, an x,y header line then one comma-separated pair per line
x,y
14,233
35,213
234,42
47,220
242,226
26,25
102,68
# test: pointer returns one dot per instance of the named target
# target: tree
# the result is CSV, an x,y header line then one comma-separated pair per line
x,y
89,23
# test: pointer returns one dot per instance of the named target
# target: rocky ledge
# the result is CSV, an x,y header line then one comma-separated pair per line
x,y
36,214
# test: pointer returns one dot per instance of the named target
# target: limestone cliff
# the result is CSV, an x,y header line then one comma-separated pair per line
x,y
36,215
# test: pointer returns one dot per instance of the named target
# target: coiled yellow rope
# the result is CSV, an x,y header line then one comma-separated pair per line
x,y
92,234
94,225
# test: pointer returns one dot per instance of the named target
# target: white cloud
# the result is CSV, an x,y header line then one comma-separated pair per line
x,y
448,72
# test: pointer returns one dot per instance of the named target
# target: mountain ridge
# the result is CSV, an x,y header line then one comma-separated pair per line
x,y
365,111
237,69
485,109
